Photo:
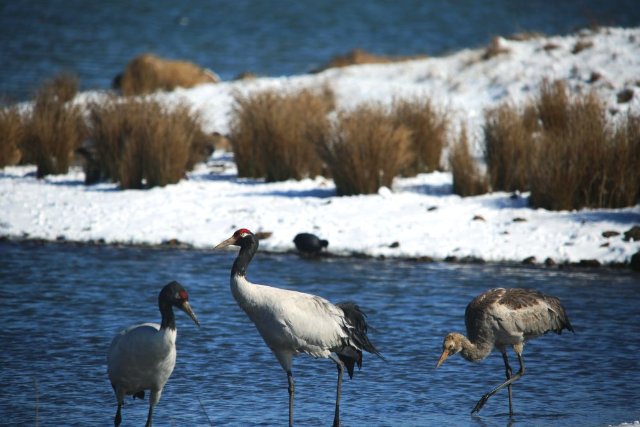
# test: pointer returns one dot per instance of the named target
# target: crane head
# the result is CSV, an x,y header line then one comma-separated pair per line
x,y
233,240
174,294
451,345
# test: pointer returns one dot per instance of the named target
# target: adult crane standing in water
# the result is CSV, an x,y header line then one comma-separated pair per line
x,y
292,322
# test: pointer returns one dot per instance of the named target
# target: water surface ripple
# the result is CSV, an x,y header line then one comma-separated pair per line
x,y
62,304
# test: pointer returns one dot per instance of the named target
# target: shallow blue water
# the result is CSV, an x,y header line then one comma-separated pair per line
x,y
96,39
62,304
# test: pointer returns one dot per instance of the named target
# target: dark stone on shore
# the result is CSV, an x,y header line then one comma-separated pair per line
x,y
394,245
587,263
432,208
618,265
529,260
634,263
594,77
465,259
632,234
423,259
478,218
471,260
610,233
625,95
518,219
549,262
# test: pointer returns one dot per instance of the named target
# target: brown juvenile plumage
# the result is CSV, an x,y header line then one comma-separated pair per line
x,y
505,317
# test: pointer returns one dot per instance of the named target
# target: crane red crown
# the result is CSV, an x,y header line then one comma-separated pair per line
x,y
241,233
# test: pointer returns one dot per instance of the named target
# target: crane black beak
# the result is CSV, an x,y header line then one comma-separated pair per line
x,y
230,241
443,357
186,307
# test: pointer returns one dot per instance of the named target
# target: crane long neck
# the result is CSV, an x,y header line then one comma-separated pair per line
x,y
248,248
477,350
168,317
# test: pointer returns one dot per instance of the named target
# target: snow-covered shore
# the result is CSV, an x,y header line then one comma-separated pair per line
x,y
418,217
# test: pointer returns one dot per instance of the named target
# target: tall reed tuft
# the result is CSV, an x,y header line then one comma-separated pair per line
x,y
576,159
508,145
428,128
566,150
272,133
467,178
56,127
12,134
365,151
141,143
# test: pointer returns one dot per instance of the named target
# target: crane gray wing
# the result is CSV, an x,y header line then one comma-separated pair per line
x,y
514,312
534,313
478,316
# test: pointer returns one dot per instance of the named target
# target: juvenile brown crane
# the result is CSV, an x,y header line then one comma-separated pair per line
x,y
505,317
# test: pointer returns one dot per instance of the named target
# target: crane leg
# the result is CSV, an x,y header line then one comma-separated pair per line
x,y
509,373
292,391
340,366
149,416
118,418
507,383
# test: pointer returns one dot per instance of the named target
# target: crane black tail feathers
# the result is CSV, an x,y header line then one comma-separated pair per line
x,y
567,325
358,335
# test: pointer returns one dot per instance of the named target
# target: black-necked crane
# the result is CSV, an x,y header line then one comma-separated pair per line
x,y
142,357
501,318
310,244
292,322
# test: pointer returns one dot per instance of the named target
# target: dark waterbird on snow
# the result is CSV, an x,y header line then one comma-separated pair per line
x,y
505,317
292,322
309,244
142,357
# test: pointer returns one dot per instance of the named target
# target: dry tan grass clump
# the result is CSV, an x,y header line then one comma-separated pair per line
x,y
581,160
55,127
428,128
140,143
508,138
624,161
467,178
564,150
525,36
148,73
360,56
12,134
496,47
581,45
365,151
272,133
